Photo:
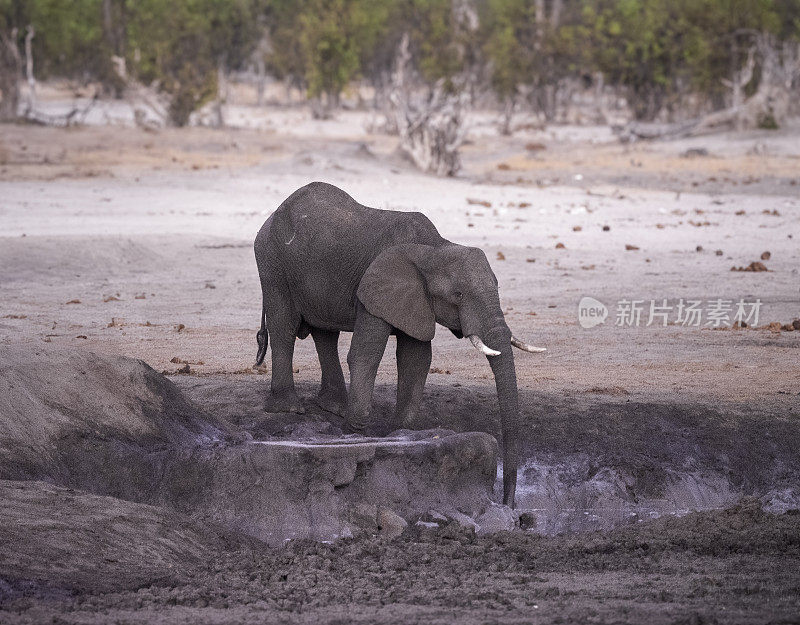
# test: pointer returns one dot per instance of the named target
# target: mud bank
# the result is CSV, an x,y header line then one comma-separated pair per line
x,y
114,426
591,461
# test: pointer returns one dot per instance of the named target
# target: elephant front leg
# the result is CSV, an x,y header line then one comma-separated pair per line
x,y
370,336
332,396
413,364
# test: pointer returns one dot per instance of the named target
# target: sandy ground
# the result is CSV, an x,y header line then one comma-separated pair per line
x,y
139,243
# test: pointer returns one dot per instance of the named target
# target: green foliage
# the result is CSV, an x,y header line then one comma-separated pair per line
x,y
658,51
333,35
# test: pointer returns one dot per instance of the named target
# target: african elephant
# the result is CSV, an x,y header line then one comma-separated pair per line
x,y
328,264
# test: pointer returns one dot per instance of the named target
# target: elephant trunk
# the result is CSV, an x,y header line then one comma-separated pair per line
x,y
505,376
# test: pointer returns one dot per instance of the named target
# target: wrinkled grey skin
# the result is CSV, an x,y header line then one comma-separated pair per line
x,y
328,264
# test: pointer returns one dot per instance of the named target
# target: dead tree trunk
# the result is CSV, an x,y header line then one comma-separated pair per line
x,y
10,66
768,107
145,102
31,103
431,130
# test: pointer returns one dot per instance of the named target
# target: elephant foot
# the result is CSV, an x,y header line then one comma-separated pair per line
x,y
287,401
331,401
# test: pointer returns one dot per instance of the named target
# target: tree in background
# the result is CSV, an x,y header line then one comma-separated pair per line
x,y
334,36
180,46
669,58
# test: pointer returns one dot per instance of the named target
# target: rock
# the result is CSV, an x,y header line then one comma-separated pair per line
x,y
390,524
699,248
796,324
606,228
463,520
787,327
719,252
631,248
496,519
775,326
766,256
527,521
365,516
560,246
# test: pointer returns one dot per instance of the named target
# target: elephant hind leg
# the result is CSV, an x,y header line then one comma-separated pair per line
x,y
332,396
282,325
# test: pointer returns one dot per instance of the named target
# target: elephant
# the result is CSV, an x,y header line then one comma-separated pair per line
x,y
327,265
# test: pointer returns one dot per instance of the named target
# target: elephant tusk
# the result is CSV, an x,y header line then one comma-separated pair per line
x,y
525,347
481,347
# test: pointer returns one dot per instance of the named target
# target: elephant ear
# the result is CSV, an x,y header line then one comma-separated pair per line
x,y
393,289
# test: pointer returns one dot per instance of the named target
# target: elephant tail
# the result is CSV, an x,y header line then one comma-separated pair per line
x,y
262,337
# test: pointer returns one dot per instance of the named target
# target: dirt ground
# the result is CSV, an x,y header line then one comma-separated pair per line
x,y
139,243
733,566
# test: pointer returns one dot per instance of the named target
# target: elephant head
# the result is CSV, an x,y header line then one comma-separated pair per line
x,y
413,286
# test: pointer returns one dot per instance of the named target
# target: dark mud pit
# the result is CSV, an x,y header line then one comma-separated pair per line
x,y
591,461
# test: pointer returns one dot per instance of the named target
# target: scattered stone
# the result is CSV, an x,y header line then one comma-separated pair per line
x,y
503,166
477,202
787,327
116,322
699,248
140,296
740,212
775,326
390,524
765,256
185,369
180,327
438,370
587,267
630,247
501,256
796,324
110,298
719,252
754,266
606,228
576,228
560,246
81,336
74,301
209,285
15,316
535,147
530,260
496,519
694,153
773,213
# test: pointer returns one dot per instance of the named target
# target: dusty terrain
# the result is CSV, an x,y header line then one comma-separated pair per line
x,y
136,243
